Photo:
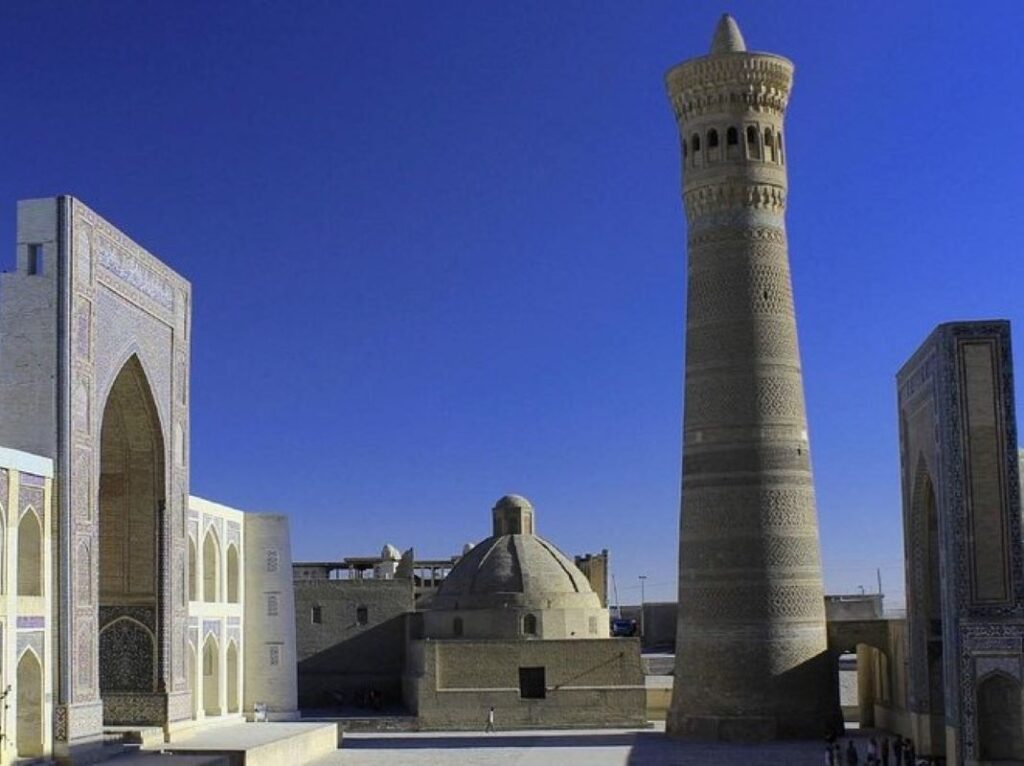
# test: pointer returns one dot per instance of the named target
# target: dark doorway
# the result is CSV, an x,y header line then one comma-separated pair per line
x,y
532,685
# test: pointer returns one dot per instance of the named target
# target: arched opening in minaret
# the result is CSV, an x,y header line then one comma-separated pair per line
x,y
753,143
713,149
769,145
131,503
732,143
778,143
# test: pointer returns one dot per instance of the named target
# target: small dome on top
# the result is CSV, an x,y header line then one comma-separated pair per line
x,y
728,38
513,515
390,553
513,501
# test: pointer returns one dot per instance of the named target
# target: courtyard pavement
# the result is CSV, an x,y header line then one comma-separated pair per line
x,y
606,747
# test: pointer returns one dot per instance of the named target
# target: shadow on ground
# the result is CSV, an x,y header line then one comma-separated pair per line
x,y
615,748
484,741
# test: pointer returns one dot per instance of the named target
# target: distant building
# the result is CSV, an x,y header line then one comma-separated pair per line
x,y
595,567
353,617
517,626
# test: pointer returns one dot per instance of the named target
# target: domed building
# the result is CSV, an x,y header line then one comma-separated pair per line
x,y
517,626
515,585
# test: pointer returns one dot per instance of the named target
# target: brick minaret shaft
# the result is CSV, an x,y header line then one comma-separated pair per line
x,y
751,658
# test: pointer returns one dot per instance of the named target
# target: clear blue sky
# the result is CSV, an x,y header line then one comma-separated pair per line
x,y
437,249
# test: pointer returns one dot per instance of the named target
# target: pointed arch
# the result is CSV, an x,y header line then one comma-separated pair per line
x,y
132,498
30,554
753,143
1000,721
193,568
211,676
128,652
192,677
211,565
232,677
234,574
29,734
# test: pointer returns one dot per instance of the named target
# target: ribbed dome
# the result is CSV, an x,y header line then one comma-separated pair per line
x,y
514,570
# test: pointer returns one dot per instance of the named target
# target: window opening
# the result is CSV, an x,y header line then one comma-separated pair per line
x,y
35,260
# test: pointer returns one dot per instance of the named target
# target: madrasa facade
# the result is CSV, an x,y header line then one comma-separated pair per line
x,y
126,600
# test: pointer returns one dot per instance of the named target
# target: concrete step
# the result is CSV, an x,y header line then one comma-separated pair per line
x,y
261,744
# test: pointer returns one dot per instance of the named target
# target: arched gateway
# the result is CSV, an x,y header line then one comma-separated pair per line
x,y
109,406
132,498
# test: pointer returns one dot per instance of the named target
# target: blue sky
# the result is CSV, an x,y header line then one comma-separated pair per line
x,y
437,249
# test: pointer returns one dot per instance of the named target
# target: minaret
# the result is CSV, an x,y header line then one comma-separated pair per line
x,y
751,659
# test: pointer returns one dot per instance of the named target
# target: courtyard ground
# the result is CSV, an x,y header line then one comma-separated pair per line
x,y
612,747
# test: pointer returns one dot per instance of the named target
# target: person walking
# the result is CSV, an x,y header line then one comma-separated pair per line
x,y
830,756
852,756
872,752
897,750
910,754
885,751
490,720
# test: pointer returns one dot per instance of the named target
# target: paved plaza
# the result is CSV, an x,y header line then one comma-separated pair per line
x,y
613,747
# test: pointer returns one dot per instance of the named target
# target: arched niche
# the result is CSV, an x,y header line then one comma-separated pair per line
x,y
29,734
211,676
1000,722
132,498
128,649
30,555
193,567
232,677
234,574
211,566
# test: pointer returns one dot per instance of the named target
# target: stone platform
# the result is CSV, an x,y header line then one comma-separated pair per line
x,y
260,744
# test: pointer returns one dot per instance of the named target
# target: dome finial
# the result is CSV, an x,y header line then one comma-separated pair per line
x,y
513,515
728,38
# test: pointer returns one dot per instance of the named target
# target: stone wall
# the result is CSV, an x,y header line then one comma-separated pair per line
x,y
340,658
587,682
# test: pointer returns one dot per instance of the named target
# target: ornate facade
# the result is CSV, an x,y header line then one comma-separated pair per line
x,y
95,337
751,659
964,556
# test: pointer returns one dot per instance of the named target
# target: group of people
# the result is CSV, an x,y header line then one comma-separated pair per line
x,y
882,751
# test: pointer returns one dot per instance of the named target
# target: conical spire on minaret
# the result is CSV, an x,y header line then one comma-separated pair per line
x,y
728,38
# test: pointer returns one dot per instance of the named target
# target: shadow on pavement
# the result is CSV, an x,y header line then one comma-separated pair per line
x,y
517,740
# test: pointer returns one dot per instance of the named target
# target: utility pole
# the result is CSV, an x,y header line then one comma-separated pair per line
x,y
641,578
